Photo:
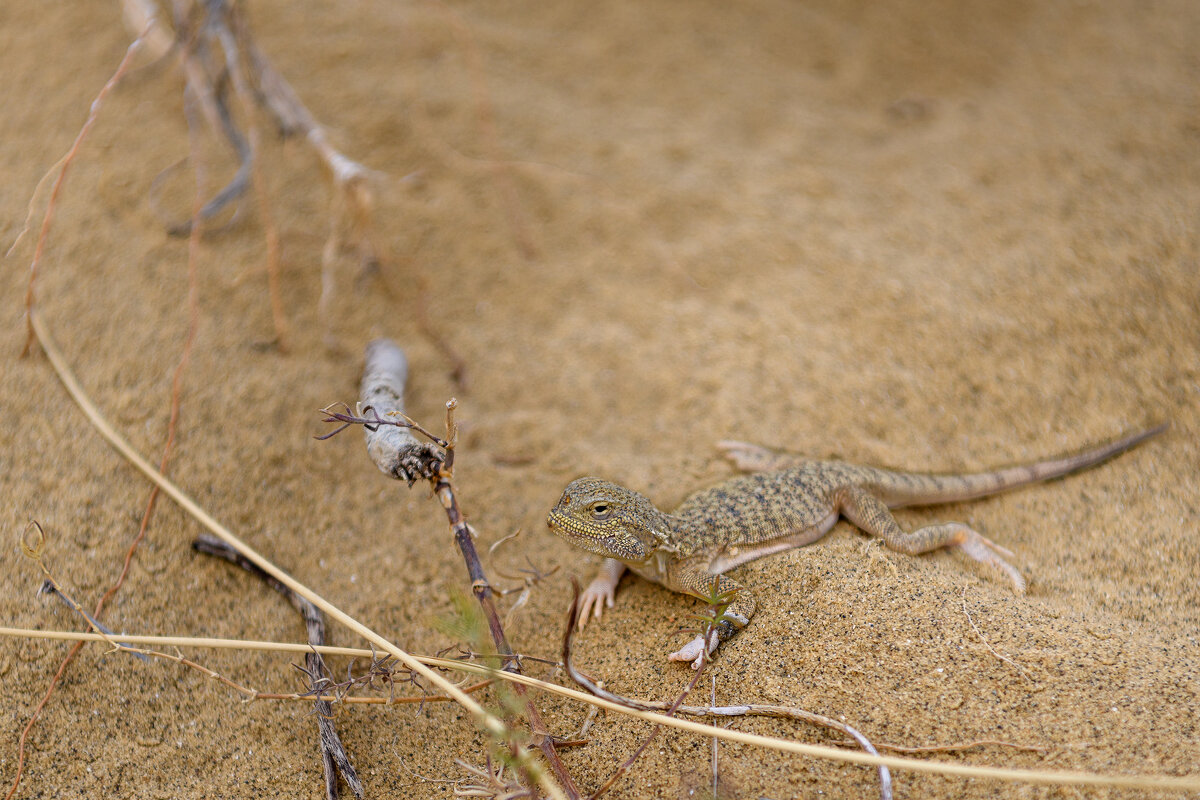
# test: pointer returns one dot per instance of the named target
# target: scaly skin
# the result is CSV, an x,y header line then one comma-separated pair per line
x,y
787,502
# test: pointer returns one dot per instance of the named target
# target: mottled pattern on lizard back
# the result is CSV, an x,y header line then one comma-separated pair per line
x,y
764,506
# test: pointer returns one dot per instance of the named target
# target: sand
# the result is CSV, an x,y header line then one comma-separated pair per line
x,y
932,235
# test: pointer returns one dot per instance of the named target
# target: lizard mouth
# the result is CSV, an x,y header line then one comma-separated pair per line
x,y
565,526
601,543
559,522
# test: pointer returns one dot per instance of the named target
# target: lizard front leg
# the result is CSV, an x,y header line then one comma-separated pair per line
x,y
600,591
871,515
694,580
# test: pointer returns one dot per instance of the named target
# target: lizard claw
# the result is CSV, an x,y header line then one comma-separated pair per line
x,y
999,548
597,595
693,651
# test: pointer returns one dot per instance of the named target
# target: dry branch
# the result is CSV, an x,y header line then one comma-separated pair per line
x,y
220,60
394,449
397,453
333,754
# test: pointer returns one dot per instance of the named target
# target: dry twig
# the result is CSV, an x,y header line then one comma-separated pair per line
x,y
217,53
63,165
397,453
333,754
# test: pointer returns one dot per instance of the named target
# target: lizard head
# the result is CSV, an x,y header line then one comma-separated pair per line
x,y
606,519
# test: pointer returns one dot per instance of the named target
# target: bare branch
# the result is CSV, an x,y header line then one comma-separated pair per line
x,y
391,445
333,754
394,449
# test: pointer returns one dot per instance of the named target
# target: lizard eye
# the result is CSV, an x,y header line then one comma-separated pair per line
x,y
601,510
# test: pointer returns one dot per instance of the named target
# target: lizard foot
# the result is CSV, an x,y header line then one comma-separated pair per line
x,y
694,651
597,595
751,457
985,551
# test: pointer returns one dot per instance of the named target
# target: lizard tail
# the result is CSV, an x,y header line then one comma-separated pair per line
x,y
912,489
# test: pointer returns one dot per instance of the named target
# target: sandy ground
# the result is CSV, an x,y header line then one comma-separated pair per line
x,y
936,235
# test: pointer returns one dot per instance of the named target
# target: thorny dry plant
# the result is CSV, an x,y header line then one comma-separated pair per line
x,y
227,77
217,55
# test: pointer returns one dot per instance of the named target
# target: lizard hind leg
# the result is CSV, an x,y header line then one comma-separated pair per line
x,y
870,514
739,605
754,458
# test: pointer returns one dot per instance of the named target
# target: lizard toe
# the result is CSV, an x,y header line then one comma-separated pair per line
x,y
585,609
592,602
689,652
693,651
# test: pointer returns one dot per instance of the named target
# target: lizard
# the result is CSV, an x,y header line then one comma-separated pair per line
x,y
785,501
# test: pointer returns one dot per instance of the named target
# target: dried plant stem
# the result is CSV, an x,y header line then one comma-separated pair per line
x,y
483,718
384,375
65,163
670,710
1047,777
958,747
199,641
236,46
885,778
334,759
120,643
33,548
215,32
37,711
142,15
371,701
351,202
713,702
